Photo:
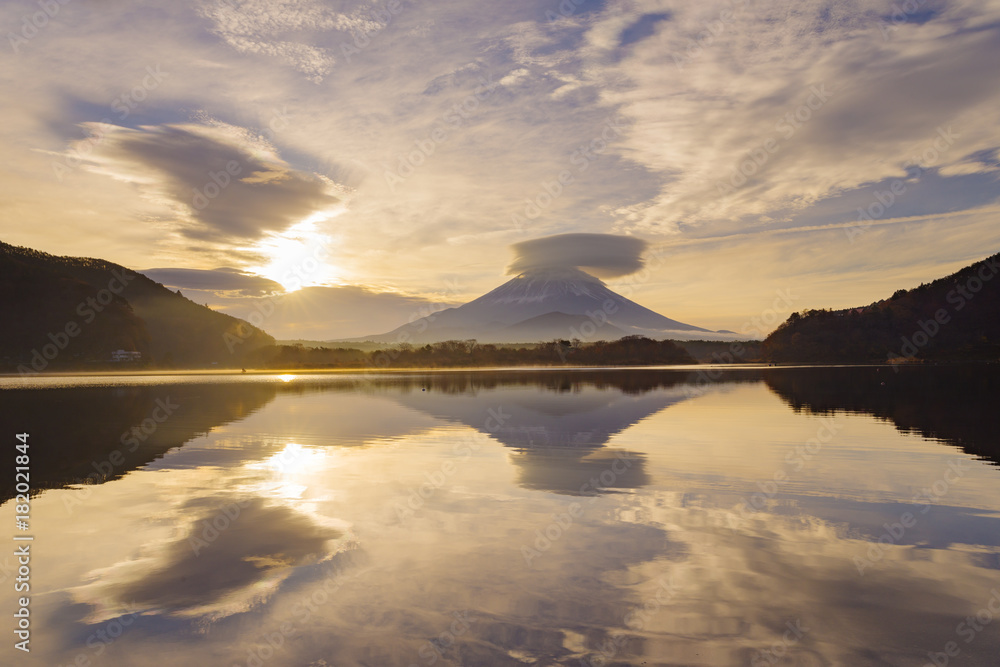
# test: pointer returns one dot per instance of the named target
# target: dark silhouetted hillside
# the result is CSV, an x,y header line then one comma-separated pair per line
x,y
64,312
951,319
97,434
955,403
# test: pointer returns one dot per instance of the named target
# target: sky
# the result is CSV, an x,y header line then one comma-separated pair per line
x,y
343,167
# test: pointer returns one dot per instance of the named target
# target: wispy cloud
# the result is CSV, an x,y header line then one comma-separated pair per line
x,y
753,111
285,30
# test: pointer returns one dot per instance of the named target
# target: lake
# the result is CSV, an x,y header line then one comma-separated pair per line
x,y
755,516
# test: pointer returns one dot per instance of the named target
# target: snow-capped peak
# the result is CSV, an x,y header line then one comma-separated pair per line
x,y
545,284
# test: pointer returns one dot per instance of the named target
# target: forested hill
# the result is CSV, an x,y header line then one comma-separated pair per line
x,y
951,319
68,312
627,351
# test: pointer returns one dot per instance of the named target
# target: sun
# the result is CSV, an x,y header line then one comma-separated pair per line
x,y
298,256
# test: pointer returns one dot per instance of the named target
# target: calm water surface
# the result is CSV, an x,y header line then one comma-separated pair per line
x,y
644,517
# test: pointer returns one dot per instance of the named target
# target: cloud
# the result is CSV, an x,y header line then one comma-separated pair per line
x,y
217,280
226,183
817,101
284,30
261,541
604,255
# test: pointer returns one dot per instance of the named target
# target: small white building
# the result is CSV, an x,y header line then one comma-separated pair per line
x,y
126,355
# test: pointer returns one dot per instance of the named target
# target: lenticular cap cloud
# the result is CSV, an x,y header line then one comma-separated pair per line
x,y
603,255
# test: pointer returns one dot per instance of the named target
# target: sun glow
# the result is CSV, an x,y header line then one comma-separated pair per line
x,y
289,472
300,255
295,459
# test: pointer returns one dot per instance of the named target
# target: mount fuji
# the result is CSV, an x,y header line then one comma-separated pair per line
x,y
544,304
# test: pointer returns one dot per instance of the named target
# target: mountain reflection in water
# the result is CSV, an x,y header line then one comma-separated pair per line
x,y
616,517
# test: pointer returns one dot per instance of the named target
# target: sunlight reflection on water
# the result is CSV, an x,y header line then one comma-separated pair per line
x,y
630,517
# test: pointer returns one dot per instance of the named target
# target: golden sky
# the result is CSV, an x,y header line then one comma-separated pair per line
x,y
387,154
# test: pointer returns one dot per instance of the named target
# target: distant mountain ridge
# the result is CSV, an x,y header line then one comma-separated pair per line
x,y
66,311
950,319
542,304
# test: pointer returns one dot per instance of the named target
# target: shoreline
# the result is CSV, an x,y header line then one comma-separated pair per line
x,y
265,372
